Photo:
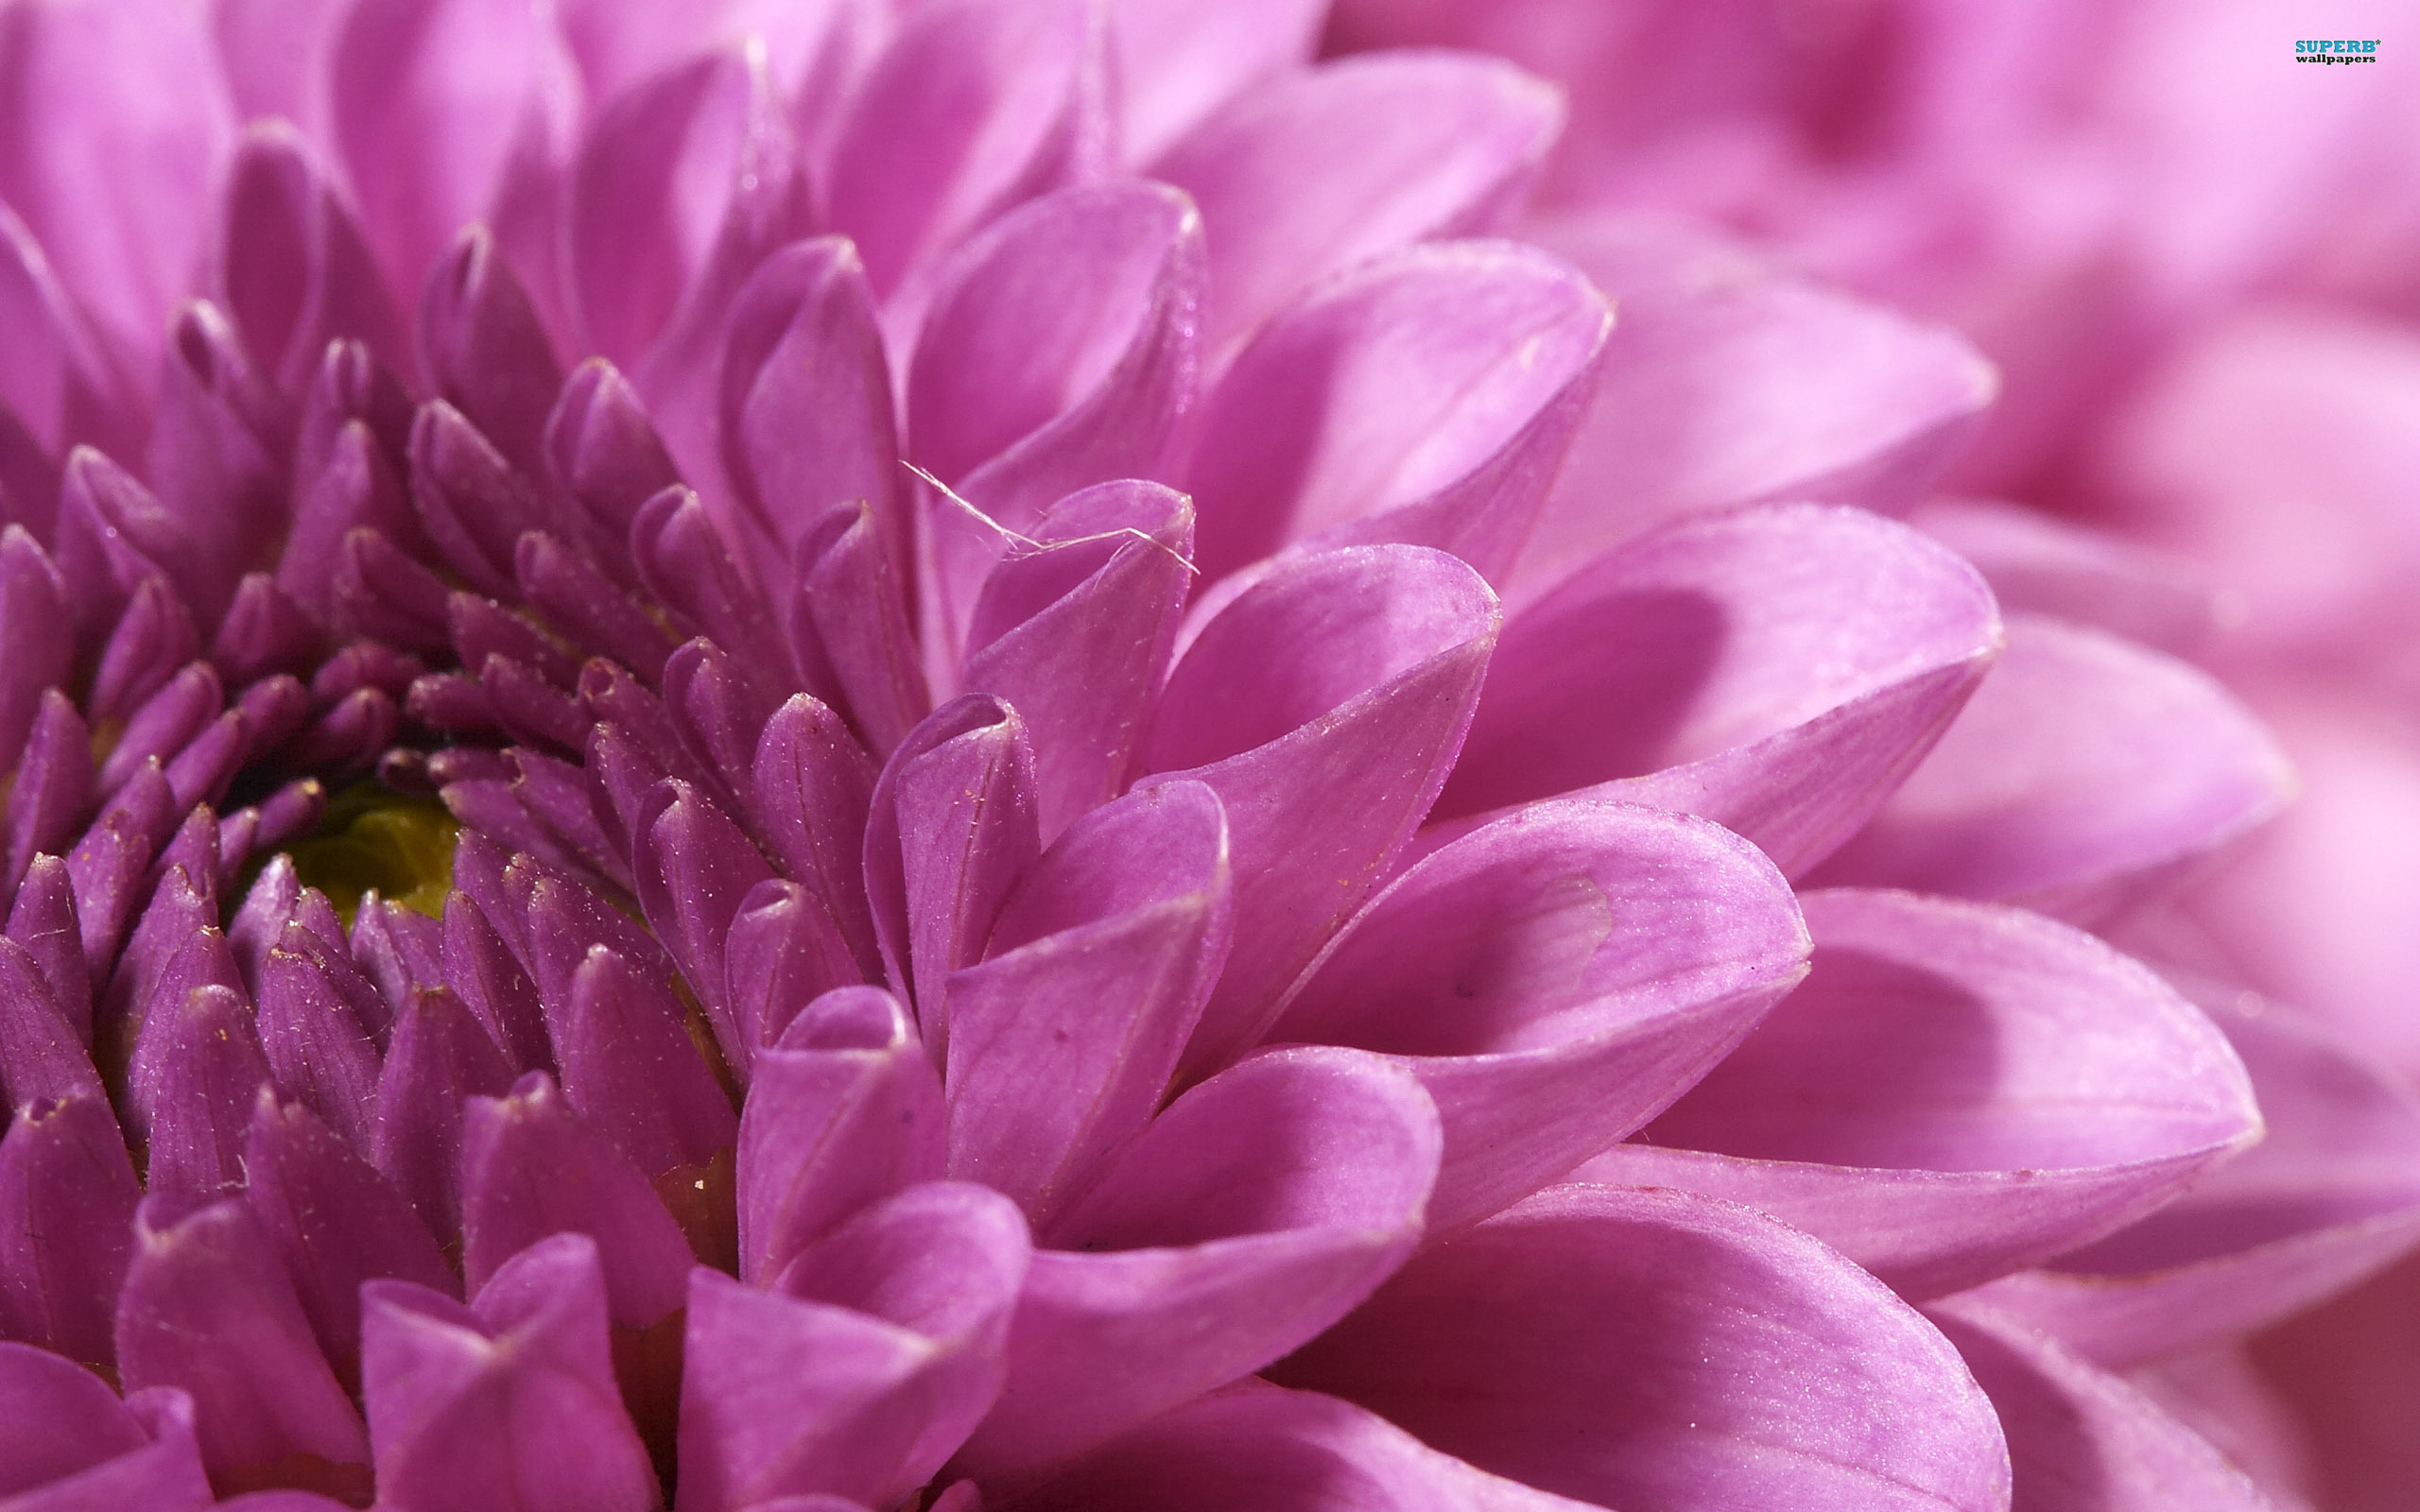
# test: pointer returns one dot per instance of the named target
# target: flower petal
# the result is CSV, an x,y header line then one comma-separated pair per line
x,y
1323,705
1849,402
435,105
153,125
970,109
1554,980
1064,1036
1655,1350
1956,1091
1254,1444
952,830
531,1168
1418,144
2081,1440
1776,670
1179,62
334,1221
1059,348
804,407
1257,1210
2015,802
2332,1194
291,265
67,1444
845,1110
507,1403
2040,564
67,1197
1424,396
1075,627
860,1374
207,1308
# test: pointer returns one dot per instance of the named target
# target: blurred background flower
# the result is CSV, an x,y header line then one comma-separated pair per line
x,y
2197,266
804,756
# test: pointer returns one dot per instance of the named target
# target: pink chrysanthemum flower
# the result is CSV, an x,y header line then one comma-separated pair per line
x,y
1009,853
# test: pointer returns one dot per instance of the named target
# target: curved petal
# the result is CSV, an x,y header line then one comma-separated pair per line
x,y
532,1170
1075,628
2331,1196
67,1443
2082,774
952,829
1778,670
1276,1451
860,1374
59,385
510,1403
804,406
1656,1350
845,1110
291,265
1845,400
2039,564
68,1201
1414,145
2081,1440
437,106
970,109
1059,347
152,126
1424,396
1253,1213
1178,62
1063,1037
672,172
1554,980
1956,1091
207,1309
1323,705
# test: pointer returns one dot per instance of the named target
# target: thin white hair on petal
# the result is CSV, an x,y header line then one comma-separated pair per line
x,y
1031,544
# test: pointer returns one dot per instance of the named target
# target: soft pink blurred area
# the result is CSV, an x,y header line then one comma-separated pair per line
x,y
2196,265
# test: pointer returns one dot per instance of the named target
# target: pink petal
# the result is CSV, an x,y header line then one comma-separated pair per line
x,y
2081,1440
1554,980
276,54
1059,347
437,107
813,784
1063,1037
1654,1350
1848,401
1177,63
886,1340
2015,802
69,1444
970,109
1254,1444
1076,631
1955,1093
2330,1196
291,266
1424,396
1323,705
60,387
1256,1211
845,1110
952,830
2039,564
804,407
1778,670
110,166
1416,145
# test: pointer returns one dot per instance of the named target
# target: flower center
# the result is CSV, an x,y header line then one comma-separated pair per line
x,y
373,839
